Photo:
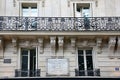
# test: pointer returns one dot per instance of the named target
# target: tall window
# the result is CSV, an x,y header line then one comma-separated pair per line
x,y
29,9
82,10
28,62
85,62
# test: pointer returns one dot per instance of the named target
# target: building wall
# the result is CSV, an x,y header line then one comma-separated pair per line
x,y
101,61
60,8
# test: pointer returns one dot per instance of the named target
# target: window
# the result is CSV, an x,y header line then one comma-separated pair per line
x,y
29,9
82,10
85,62
28,62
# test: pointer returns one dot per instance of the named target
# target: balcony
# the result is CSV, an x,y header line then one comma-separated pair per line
x,y
75,24
95,72
27,73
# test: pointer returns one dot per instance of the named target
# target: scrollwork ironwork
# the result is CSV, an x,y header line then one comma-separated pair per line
x,y
59,23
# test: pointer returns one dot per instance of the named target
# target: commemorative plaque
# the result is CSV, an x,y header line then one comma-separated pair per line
x,y
57,67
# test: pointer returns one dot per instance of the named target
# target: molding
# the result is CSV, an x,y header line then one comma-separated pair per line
x,y
53,44
1,48
29,0
40,44
14,43
73,41
96,2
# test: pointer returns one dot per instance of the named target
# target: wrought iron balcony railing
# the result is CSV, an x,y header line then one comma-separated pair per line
x,y
59,23
27,73
95,72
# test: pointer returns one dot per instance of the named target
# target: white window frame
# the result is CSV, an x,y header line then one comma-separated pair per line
x,y
19,56
29,8
92,6
38,2
93,56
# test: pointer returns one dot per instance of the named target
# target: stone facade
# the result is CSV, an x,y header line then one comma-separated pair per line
x,y
60,45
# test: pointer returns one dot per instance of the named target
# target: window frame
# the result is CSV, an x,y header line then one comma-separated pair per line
x,y
92,6
93,56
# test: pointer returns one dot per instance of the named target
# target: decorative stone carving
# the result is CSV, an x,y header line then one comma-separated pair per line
x,y
119,42
118,47
99,42
85,43
96,3
112,41
43,3
73,41
27,44
14,43
99,45
1,47
68,3
14,3
111,45
53,44
60,43
40,44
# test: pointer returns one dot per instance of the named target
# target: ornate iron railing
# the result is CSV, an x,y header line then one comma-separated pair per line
x,y
95,72
59,23
27,73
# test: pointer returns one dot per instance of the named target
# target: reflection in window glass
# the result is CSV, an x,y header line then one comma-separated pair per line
x,y
29,9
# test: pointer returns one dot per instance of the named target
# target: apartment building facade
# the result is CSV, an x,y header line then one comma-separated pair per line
x,y
70,38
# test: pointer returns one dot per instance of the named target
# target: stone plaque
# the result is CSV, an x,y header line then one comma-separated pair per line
x,y
7,60
57,67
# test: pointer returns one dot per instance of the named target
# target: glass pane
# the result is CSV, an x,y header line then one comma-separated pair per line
x,y
89,63
89,52
32,62
25,11
80,52
25,63
24,52
81,59
34,12
86,12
